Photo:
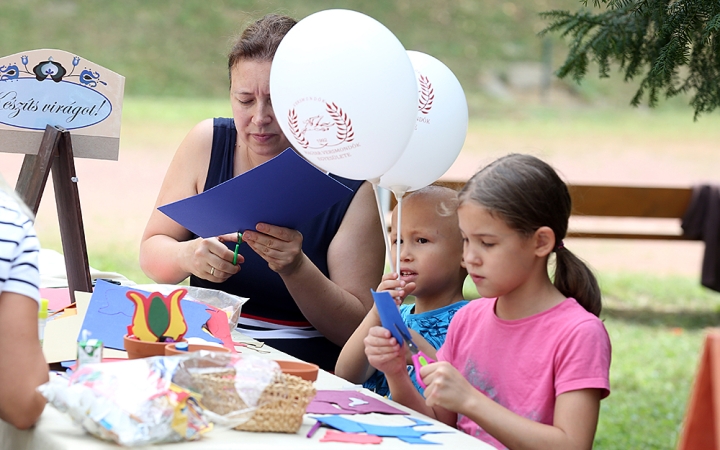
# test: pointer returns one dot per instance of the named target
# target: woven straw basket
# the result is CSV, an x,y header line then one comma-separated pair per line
x,y
280,408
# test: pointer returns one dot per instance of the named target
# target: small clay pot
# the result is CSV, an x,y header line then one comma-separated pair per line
x,y
171,350
304,370
136,348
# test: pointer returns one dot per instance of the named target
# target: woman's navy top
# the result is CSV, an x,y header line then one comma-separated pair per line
x,y
271,314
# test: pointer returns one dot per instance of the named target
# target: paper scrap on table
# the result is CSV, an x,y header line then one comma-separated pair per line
x,y
58,298
406,433
60,339
390,314
110,312
348,402
354,438
284,191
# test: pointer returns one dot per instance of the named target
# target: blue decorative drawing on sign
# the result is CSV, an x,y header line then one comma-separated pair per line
x,y
9,72
50,69
48,94
89,78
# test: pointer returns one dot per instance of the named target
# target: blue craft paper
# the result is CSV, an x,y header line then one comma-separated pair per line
x,y
418,422
110,312
395,431
284,191
416,440
406,433
341,423
390,314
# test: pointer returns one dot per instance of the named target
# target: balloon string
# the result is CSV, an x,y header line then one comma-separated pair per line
x,y
398,237
388,254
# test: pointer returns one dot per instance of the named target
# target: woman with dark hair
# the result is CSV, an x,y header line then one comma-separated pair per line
x,y
308,288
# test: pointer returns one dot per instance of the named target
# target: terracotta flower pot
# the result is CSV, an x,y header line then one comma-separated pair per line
x,y
304,370
171,350
141,349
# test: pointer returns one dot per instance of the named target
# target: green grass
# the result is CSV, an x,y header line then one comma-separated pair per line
x,y
651,374
656,326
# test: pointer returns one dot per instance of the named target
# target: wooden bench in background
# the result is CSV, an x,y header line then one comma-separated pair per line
x,y
596,201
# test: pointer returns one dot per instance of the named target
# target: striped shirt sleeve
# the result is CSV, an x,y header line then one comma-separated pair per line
x,y
19,250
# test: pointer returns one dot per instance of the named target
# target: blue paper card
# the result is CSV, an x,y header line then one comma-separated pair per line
x,y
390,314
110,312
284,191
407,433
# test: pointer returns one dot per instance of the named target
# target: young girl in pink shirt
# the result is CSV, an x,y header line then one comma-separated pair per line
x,y
526,365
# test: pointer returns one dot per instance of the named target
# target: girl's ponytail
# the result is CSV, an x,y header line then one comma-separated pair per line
x,y
573,278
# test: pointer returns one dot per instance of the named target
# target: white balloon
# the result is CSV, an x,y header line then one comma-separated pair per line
x,y
344,92
440,130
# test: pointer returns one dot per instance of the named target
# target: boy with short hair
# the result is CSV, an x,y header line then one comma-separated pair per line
x,y
431,269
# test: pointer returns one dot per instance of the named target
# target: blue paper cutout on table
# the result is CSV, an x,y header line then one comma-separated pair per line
x,y
110,312
284,191
406,433
390,314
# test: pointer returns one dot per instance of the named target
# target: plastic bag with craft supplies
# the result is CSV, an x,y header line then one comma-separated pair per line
x,y
175,398
131,402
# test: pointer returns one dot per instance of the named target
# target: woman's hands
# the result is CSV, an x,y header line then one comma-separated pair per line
x,y
211,260
280,247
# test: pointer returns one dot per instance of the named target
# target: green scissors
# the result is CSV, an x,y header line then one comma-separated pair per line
x,y
237,247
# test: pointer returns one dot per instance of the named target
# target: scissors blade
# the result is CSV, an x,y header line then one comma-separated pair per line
x,y
411,345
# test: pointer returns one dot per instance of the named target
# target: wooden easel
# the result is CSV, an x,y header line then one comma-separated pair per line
x,y
56,152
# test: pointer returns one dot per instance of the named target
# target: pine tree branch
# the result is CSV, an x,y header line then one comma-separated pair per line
x,y
672,46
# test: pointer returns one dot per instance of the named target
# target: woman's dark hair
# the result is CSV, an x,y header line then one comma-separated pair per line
x,y
260,39
526,193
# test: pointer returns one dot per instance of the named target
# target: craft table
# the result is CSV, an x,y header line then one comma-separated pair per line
x,y
56,431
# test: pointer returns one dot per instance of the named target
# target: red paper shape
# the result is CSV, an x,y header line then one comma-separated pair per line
x,y
58,298
219,327
354,438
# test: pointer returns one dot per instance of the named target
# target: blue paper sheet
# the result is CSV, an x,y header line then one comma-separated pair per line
x,y
284,191
110,312
407,433
390,314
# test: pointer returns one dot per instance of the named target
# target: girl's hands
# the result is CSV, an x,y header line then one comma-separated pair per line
x,y
211,260
384,353
446,386
280,247
397,288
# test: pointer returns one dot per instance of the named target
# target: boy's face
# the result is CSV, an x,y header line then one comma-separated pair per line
x,y
431,247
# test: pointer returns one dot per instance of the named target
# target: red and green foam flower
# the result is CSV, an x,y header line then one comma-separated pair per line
x,y
158,317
